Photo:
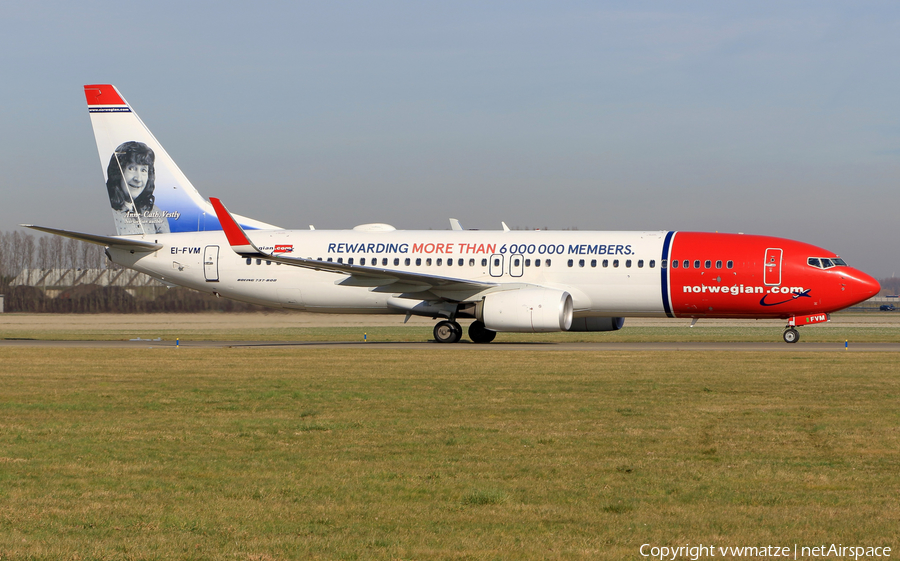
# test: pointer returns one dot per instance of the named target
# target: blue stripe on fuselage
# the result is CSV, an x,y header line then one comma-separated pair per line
x,y
664,271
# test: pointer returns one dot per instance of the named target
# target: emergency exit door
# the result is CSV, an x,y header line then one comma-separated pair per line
x,y
211,263
772,272
496,267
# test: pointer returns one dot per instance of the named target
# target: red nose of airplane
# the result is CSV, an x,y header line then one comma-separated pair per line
x,y
862,286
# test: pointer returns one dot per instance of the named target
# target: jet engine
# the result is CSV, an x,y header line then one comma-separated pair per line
x,y
527,310
597,324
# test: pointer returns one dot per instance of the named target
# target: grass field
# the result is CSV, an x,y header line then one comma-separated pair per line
x,y
292,453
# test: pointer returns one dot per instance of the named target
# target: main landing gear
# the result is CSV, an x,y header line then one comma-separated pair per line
x,y
451,332
447,332
791,335
478,333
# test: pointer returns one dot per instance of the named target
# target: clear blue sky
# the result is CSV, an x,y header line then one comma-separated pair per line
x,y
773,118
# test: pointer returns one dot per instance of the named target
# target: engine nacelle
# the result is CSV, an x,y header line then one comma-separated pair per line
x,y
527,310
597,324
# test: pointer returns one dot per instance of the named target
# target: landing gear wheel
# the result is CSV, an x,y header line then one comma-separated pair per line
x,y
478,333
447,332
791,335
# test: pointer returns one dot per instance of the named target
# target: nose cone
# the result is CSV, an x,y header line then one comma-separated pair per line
x,y
862,286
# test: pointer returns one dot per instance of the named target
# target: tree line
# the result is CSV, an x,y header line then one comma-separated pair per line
x,y
23,250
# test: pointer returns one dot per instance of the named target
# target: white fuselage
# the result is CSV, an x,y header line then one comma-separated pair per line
x,y
611,273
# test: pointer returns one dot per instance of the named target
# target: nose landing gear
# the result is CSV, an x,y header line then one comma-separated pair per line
x,y
791,335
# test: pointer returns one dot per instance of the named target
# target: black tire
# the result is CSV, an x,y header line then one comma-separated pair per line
x,y
791,335
447,332
478,333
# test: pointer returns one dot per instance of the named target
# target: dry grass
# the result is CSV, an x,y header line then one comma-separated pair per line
x,y
440,454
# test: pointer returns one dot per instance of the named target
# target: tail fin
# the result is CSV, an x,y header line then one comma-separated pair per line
x,y
147,192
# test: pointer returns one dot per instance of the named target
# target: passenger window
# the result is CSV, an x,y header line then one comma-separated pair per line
x,y
628,263
615,262
605,263
439,262
329,260
340,260
528,262
814,261
428,262
484,262
471,262
696,264
653,263
449,262
729,264
640,263
686,264
707,264
418,261
249,260
259,261
461,262
674,264
546,262
537,262
496,262
581,262
719,264
406,261
593,262
571,262
268,262
350,261
396,261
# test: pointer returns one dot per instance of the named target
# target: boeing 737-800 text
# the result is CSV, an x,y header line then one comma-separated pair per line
x,y
513,281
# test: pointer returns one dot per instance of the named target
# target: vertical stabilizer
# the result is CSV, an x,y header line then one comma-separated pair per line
x,y
147,192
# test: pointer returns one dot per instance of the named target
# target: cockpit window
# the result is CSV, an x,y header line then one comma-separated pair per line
x,y
825,262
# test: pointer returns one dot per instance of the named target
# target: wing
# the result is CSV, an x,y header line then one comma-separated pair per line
x,y
108,241
380,279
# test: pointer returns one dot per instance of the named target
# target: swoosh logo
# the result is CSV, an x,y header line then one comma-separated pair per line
x,y
804,294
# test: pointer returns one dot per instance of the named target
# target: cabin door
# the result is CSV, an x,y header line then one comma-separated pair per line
x,y
772,272
211,263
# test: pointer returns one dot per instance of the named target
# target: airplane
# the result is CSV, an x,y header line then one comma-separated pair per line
x,y
507,281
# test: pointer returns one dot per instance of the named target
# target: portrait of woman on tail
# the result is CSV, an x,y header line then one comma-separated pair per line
x,y
130,183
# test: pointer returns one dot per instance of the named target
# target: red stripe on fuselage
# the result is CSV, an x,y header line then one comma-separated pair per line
x,y
711,291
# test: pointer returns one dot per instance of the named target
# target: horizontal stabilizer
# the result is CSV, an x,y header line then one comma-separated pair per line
x,y
108,241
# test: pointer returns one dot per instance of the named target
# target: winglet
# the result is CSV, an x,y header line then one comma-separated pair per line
x,y
239,241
